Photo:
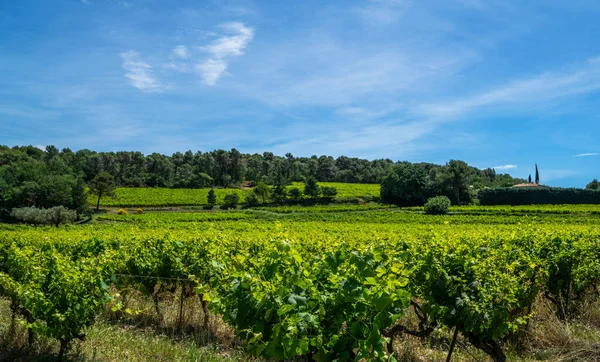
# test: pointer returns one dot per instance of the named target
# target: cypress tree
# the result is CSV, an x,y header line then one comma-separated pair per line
x,y
211,198
529,179
537,175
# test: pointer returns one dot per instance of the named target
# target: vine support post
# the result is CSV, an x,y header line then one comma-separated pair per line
x,y
30,334
181,299
63,348
204,310
452,344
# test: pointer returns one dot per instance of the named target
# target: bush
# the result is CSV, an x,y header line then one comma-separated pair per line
x,y
328,192
56,215
311,189
251,199
139,210
231,200
437,205
122,212
279,194
211,198
295,194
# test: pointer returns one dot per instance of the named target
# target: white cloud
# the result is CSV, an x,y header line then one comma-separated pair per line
x,y
180,51
230,44
505,167
211,70
583,78
139,73
587,154
176,66
233,42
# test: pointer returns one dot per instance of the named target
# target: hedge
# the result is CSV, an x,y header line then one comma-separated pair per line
x,y
538,196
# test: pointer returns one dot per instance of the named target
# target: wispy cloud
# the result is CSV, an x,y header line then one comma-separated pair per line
x,y
180,51
231,43
505,167
176,66
578,79
211,70
139,73
588,154
382,12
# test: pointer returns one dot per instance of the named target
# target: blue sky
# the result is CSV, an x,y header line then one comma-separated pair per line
x,y
500,84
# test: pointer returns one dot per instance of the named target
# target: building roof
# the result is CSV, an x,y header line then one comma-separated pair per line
x,y
528,185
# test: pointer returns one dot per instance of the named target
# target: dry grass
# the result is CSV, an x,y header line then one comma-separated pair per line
x,y
140,335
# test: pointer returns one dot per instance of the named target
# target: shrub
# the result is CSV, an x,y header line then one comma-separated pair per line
x,y
328,192
231,200
122,212
56,215
139,210
311,189
211,198
279,194
437,205
295,194
251,199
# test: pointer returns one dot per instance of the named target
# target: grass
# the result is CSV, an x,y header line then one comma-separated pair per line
x,y
127,339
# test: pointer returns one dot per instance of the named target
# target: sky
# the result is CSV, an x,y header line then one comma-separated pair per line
x,y
496,83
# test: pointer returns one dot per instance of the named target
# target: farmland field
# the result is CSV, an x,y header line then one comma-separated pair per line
x,y
156,197
280,282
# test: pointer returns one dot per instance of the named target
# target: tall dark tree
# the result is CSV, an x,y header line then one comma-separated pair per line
x,y
102,185
454,181
311,189
529,179
262,190
537,175
211,197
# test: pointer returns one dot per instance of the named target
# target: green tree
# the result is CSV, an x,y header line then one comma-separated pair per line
x,y
231,200
251,199
454,181
328,192
406,185
279,194
102,185
262,190
537,175
311,189
295,194
529,179
79,198
211,198
594,185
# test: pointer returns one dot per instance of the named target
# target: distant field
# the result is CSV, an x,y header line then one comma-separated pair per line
x,y
347,189
132,197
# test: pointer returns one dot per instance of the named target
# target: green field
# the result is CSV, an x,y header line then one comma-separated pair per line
x,y
337,265
159,197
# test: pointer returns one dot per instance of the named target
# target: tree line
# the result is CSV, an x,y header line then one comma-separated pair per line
x,y
30,176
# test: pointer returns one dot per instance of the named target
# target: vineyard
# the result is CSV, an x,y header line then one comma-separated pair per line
x,y
157,197
324,283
